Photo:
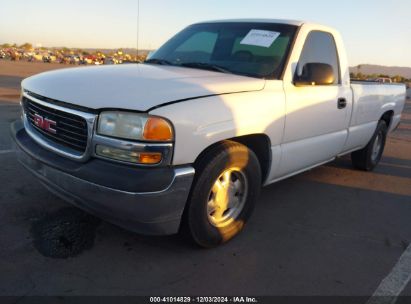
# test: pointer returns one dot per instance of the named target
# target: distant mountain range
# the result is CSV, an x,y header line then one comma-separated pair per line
x,y
369,69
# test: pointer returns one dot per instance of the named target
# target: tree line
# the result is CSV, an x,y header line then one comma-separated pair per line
x,y
396,78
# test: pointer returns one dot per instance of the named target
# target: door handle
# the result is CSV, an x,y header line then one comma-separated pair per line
x,y
342,103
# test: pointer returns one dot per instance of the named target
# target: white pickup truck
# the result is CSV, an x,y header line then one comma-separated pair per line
x,y
186,139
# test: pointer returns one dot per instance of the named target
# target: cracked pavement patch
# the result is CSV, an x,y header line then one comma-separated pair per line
x,y
65,233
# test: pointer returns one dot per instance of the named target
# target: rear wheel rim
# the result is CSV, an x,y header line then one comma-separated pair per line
x,y
227,197
376,147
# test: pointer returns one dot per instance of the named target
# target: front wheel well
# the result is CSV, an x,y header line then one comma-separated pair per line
x,y
260,144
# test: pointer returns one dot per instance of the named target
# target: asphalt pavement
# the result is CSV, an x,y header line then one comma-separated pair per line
x,y
330,231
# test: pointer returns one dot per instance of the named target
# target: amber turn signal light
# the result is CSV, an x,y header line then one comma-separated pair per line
x,y
150,158
157,129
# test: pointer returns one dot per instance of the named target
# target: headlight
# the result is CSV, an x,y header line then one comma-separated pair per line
x,y
134,126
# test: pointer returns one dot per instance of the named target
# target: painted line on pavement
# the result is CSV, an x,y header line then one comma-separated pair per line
x,y
359,180
6,151
395,282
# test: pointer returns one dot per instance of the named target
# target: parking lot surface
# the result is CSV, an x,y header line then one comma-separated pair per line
x,y
330,231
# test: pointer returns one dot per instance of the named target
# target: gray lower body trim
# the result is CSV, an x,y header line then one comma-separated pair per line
x,y
153,213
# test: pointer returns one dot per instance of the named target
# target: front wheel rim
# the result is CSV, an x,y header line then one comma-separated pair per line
x,y
227,197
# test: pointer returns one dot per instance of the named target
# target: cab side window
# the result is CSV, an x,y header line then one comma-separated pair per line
x,y
320,48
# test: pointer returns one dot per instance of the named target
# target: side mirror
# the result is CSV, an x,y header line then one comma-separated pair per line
x,y
315,74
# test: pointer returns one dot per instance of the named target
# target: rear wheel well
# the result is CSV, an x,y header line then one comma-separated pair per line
x,y
260,144
387,117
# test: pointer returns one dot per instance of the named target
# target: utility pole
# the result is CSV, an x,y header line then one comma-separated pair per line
x,y
138,25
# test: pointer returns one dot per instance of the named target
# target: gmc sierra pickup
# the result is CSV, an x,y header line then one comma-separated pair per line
x,y
186,139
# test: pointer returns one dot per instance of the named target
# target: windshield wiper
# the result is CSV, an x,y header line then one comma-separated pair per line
x,y
158,61
206,66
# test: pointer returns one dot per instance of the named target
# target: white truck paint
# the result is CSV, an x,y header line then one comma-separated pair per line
x,y
304,124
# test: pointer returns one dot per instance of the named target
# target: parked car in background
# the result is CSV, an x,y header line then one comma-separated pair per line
x,y
74,59
111,60
185,140
383,80
408,91
15,55
46,59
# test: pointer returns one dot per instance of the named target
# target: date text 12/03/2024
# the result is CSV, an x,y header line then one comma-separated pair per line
x,y
239,299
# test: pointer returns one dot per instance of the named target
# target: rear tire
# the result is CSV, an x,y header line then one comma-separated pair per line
x,y
368,158
226,186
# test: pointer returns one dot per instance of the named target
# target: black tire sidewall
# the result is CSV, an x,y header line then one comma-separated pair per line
x,y
381,129
202,231
362,159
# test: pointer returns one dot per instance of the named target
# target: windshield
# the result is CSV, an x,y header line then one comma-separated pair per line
x,y
250,49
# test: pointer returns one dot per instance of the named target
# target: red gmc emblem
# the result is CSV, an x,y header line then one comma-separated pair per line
x,y
45,123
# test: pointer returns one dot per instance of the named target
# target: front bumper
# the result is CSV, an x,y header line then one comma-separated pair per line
x,y
144,200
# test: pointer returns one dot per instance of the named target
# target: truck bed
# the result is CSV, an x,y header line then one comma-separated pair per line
x,y
371,99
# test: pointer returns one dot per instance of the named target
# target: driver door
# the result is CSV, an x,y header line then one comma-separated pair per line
x,y
316,124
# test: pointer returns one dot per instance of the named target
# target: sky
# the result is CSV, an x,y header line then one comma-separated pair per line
x,y
374,31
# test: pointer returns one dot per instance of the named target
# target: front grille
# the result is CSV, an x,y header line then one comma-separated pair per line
x,y
71,130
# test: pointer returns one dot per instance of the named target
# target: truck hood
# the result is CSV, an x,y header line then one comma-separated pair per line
x,y
135,86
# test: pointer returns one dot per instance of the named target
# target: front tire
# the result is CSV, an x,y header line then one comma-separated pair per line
x,y
226,186
368,158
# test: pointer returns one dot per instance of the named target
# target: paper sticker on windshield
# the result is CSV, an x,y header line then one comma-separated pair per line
x,y
260,38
